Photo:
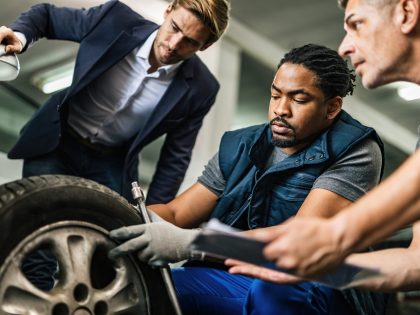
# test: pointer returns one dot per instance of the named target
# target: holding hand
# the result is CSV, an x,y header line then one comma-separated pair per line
x,y
308,246
157,243
9,40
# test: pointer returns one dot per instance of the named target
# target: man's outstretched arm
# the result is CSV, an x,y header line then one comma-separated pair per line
x,y
312,246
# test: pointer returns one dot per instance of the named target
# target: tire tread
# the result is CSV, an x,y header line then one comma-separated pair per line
x,y
10,191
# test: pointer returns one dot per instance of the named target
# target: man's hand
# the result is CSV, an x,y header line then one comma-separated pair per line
x,y
10,40
157,243
308,246
240,267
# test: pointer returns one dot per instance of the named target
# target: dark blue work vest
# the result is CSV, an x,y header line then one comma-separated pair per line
x,y
269,196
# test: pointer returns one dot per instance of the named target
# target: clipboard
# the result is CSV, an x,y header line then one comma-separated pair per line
x,y
222,241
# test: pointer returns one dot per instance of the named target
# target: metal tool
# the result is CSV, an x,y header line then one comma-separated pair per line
x,y
138,196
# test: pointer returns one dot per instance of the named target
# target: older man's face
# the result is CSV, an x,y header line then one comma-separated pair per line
x,y
373,42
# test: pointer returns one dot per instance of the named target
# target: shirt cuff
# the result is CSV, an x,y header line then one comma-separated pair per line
x,y
22,39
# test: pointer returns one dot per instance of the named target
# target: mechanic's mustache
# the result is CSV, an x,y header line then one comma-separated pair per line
x,y
279,119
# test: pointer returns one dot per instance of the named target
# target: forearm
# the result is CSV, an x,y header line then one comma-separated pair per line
x,y
391,205
189,209
398,267
164,211
52,22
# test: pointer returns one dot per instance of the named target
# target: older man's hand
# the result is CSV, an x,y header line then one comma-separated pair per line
x,y
307,246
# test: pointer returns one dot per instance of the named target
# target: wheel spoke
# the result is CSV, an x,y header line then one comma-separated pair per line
x,y
86,277
74,252
18,294
125,293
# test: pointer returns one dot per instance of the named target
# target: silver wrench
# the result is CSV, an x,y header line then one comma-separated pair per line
x,y
138,196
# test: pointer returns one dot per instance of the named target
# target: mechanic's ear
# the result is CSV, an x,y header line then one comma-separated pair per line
x,y
334,107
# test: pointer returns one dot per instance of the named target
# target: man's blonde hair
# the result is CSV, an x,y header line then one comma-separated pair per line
x,y
213,13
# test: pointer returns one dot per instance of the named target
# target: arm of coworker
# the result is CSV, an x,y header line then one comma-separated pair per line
x,y
189,209
50,21
398,267
311,246
393,204
319,203
175,156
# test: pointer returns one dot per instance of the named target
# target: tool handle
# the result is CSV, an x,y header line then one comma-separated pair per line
x,y
138,196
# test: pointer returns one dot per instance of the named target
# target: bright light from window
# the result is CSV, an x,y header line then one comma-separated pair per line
x,y
55,79
409,93
406,90
57,84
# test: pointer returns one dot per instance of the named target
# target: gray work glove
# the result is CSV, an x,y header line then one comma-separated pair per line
x,y
156,243
154,217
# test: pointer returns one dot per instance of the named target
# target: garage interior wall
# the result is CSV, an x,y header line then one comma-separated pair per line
x,y
244,61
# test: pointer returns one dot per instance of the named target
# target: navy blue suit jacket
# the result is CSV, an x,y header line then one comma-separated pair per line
x,y
106,34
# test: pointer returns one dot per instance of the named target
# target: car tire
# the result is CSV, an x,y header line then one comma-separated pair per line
x,y
73,215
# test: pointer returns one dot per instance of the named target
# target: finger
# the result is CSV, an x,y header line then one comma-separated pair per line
x,y
3,33
265,274
13,48
240,270
233,262
267,235
278,248
10,40
247,269
273,250
145,254
127,232
135,244
279,277
148,256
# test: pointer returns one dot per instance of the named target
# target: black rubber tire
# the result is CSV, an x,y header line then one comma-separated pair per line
x,y
28,204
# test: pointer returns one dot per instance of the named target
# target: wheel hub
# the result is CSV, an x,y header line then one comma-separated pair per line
x,y
84,285
82,311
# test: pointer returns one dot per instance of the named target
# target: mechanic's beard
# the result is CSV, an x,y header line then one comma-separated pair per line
x,y
280,142
284,143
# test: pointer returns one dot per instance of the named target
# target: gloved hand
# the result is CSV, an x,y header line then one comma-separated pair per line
x,y
154,217
156,243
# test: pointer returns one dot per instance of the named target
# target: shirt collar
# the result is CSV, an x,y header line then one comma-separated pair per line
x,y
144,53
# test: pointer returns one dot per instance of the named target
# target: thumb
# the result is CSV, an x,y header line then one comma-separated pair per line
x,y
127,232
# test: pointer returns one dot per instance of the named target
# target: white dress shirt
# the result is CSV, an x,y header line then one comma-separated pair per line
x,y
116,105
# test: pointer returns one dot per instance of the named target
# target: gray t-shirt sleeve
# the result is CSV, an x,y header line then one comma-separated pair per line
x,y
355,173
418,141
212,177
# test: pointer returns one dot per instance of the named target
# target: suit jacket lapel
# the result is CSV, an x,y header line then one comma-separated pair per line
x,y
172,96
109,56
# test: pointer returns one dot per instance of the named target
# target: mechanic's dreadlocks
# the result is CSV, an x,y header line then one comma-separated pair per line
x,y
335,78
